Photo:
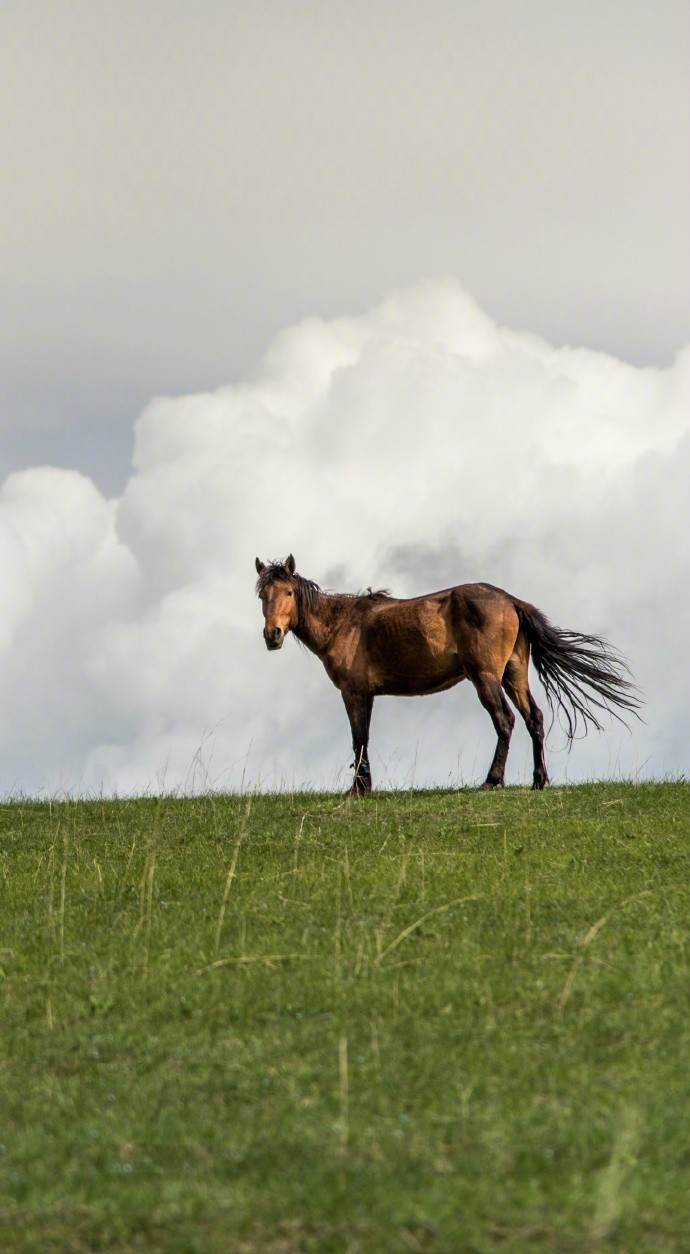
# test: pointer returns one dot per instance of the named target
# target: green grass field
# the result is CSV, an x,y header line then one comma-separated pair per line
x,y
428,1021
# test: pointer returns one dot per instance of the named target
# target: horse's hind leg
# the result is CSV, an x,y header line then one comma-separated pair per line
x,y
491,696
516,684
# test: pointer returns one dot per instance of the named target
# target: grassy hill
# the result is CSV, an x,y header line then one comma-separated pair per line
x,y
426,1021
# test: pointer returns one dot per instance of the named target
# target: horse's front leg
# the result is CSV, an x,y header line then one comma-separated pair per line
x,y
359,706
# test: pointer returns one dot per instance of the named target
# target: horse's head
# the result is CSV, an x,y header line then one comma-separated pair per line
x,y
277,589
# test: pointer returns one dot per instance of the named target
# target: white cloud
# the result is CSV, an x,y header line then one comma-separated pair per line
x,y
415,446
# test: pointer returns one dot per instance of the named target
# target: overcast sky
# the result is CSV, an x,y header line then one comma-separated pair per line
x,y
180,180
307,206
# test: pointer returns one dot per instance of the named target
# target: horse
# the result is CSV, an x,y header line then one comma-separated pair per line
x,y
373,644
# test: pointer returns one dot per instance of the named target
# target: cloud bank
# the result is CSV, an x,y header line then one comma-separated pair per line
x,y
416,446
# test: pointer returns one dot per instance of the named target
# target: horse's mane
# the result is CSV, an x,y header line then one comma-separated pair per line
x,y
307,591
375,594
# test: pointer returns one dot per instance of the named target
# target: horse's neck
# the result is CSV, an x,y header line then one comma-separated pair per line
x,y
317,625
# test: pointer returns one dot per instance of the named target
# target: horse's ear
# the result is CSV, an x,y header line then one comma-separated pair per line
x,y
290,564
259,566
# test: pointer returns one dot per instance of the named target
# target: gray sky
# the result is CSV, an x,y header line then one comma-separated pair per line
x,y
181,180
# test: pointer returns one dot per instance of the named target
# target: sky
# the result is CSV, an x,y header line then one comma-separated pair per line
x,y
401,288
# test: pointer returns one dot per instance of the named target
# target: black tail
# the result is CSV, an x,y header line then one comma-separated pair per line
x,y
580,674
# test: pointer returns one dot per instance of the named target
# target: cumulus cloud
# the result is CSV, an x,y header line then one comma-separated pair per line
x,y
415,446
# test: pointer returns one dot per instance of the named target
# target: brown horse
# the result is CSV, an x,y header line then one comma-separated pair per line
x,y
374,645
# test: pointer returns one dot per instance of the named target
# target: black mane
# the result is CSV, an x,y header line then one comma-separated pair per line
x,y
307,591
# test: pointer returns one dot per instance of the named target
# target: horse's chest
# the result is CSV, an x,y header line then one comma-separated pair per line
x,y
346,662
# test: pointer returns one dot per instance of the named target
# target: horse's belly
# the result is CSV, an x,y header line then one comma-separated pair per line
x,y
441,687
412,658
421,683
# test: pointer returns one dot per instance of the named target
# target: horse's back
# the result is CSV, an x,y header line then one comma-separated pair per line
x,y
428,643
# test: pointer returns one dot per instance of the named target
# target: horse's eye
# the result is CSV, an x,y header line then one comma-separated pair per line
x,y
289,594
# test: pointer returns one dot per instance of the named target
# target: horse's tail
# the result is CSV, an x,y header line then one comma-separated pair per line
x,y
581,675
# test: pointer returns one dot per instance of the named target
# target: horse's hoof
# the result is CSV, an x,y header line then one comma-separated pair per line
x,y
487,786
359,790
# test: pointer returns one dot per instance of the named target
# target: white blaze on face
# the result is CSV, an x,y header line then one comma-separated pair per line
x,y
416,446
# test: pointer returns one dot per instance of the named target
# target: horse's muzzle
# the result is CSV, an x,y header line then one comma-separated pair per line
x,y
274,637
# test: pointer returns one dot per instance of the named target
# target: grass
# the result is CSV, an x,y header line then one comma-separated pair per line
x,y
429,1021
